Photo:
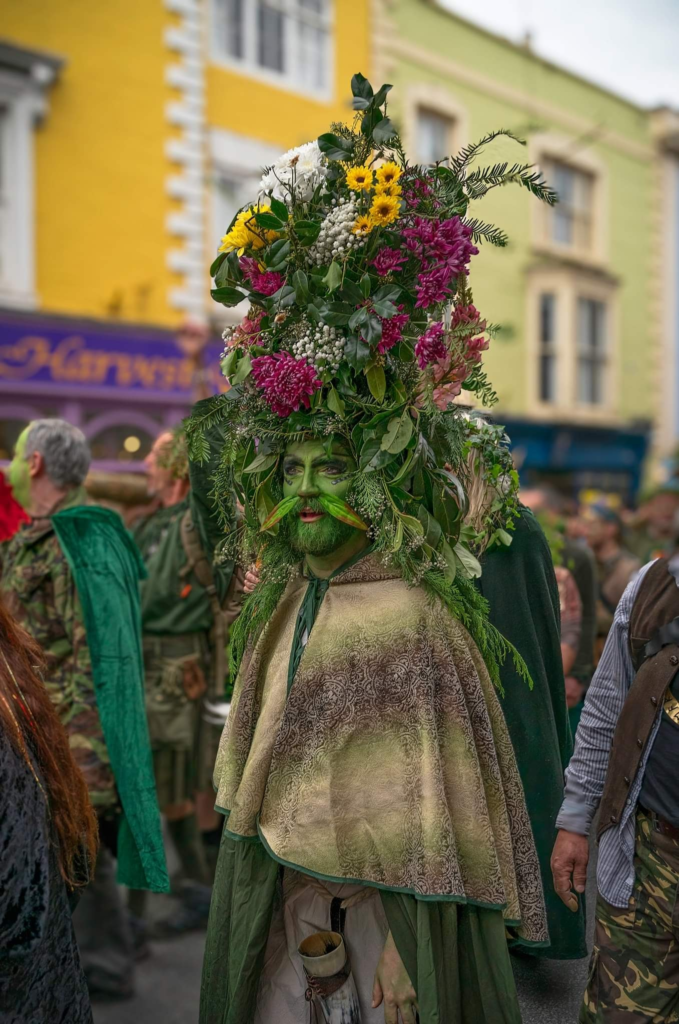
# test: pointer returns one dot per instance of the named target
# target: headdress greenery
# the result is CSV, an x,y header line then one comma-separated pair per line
x,y
361,329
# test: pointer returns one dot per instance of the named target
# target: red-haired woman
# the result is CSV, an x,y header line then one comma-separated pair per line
x,y
48,839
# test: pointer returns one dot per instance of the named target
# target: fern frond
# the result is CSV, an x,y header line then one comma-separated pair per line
x,y
482,232
481,181
459,164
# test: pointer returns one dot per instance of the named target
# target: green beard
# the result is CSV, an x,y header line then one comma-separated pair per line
x,y
319,538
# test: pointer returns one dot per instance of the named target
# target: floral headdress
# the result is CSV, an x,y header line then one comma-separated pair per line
x,y
362,329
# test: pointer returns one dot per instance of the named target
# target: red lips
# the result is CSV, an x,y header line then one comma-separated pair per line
x,y
309,515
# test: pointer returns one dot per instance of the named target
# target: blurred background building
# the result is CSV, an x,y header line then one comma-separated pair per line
x,y
131,132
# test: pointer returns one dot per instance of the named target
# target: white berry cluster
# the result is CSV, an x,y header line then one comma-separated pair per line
x,y
335,239
321,346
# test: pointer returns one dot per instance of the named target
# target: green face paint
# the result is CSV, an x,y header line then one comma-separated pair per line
x,y
308,471
18,475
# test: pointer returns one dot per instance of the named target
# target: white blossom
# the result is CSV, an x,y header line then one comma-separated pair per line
x,y
303,168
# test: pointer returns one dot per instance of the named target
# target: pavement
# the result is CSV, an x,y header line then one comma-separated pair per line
x,y
168,983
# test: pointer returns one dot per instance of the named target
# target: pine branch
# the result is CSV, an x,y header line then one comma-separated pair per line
x,y
459,164
482,232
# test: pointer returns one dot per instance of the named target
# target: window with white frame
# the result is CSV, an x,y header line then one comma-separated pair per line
x,y
547,351
287,40
570,221
591,351
433,136
4,198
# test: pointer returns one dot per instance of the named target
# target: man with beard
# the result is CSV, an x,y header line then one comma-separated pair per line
x,y
369,786
187,606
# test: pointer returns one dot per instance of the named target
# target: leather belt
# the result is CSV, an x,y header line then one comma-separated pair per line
x,y
662,825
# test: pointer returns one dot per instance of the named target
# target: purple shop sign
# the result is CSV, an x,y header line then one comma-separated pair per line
x,y
43,355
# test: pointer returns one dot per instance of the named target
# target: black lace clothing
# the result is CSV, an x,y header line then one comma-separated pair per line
x,y
41,980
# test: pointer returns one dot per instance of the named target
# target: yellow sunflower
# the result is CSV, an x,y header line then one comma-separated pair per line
x,y
384,210
359,178
363,225
245,232
389,173
387,190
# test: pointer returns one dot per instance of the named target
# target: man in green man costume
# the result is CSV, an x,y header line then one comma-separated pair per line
x,y
365,760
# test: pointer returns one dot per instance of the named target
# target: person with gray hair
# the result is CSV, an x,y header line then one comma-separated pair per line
x,y
70,576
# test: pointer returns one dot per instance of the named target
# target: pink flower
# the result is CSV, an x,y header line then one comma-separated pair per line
x,y
248,329
392,331
286,382
444,249
468,315
475,346
389,260
265,282
446,393
432,346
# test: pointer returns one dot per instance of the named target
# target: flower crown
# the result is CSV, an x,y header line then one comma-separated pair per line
x,y
362,328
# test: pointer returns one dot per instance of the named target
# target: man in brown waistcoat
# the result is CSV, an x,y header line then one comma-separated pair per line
x,y
626,763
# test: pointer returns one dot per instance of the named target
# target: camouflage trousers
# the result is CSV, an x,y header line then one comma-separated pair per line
x,y
634,972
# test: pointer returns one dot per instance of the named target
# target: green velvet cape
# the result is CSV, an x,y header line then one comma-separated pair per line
x,y
107,568
520,586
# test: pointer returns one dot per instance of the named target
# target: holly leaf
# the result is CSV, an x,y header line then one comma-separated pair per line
x,y
335,403
243,370
398,433
351,292
377,381
333,278
300,282
385,309
340,510
365,285
358,318
372,331
356,352
229,362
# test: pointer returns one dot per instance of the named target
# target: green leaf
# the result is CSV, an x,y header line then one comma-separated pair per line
x,y
385,309
405,470
469,563
377,382
383,131
356,352
333,278
340,510
365,285
263,462
315,314
335,147
359,317
281,509
279,209
360,86
243,370
431,528
381,95
388,293
307,231
373,457
264,503
227,296
450,571
398,433
351,292
335,403
229,362
372,332
413,524
276,257
300,282
216,264
398,538
268,220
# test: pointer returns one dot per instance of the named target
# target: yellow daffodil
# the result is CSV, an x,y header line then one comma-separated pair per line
x,y
245,233
363,225
384,210
359,178
389,173
387,190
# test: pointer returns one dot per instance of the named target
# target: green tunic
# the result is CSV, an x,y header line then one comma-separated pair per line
x,y
520,586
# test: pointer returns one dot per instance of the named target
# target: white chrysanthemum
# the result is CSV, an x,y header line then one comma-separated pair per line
x,y
304,165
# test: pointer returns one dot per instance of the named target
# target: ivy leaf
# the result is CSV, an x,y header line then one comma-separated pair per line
x,y
383,131
279,209
263,462
334,146
269,220
398,433
377,382
340,510
335,403
333,278
300,282
469,564
227,296
281,509
243,370
307,231
356,352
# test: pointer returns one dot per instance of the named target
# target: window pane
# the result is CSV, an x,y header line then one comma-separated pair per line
x,y
433,134
270,42
571,219
317,6
311,67
591,351
230,27
547,309
547,354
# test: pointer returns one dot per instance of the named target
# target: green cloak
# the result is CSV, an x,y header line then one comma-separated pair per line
x,y
519,584
107,568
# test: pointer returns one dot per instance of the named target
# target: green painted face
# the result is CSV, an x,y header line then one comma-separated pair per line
x,y
308,471
18,475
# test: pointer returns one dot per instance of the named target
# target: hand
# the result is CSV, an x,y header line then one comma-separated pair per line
x,y
569,861
251,579
393,985
574,692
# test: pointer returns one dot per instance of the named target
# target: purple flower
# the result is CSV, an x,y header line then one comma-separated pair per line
x,y
265,282
286,382
392,330
431,347
468,315
444,249
389,260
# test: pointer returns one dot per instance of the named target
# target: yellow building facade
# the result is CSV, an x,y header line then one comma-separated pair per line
x,y
130,132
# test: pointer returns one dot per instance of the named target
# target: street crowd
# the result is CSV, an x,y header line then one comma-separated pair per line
x,y
115,688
